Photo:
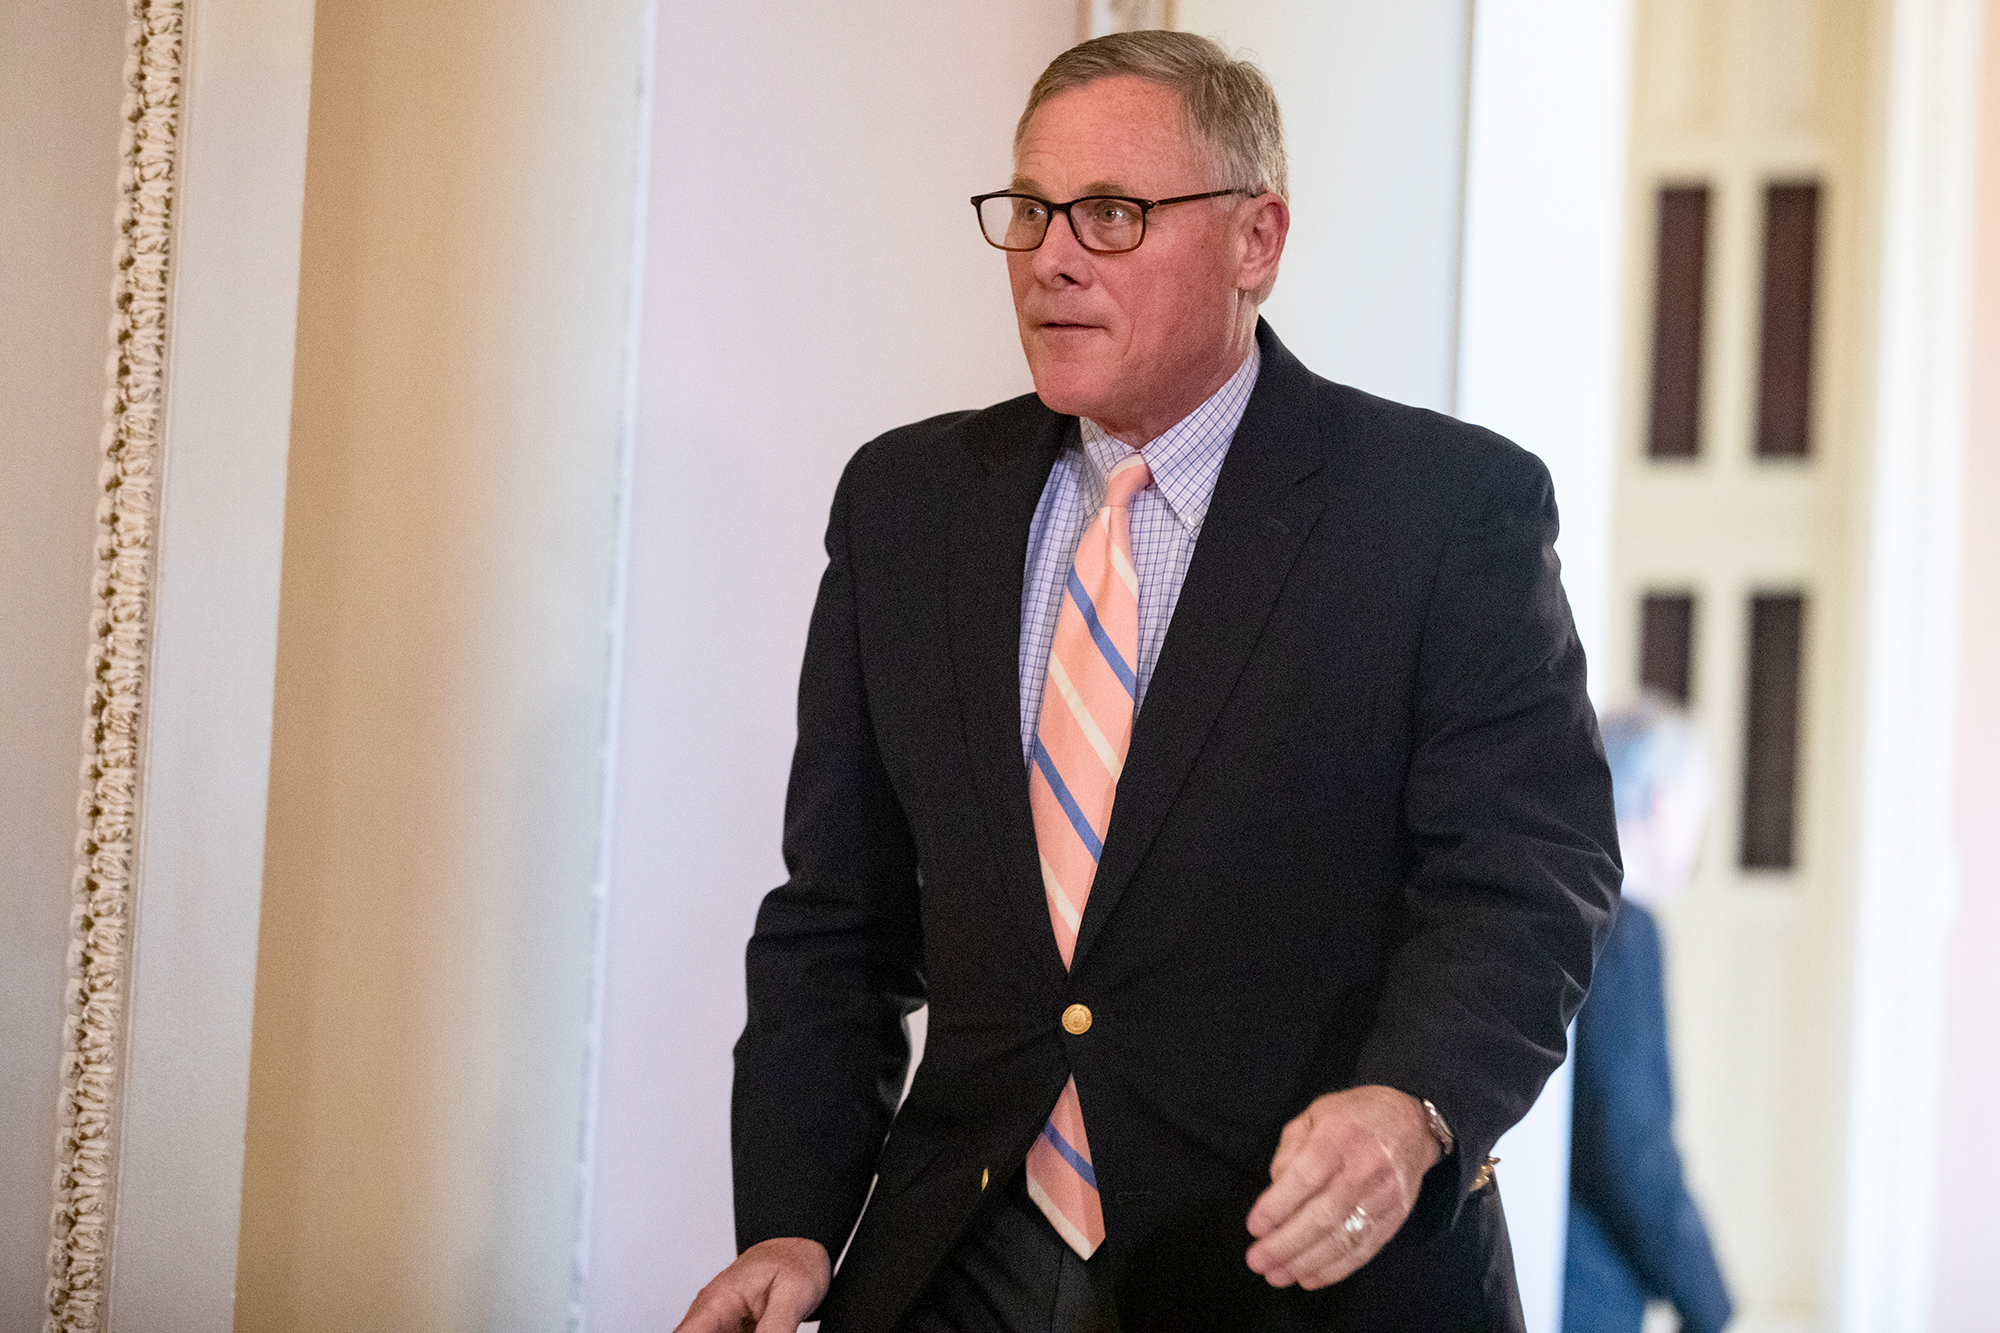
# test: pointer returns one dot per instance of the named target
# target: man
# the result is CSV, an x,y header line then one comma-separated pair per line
x,y
1634,1230
1207,745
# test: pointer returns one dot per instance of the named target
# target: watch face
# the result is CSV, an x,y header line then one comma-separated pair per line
x,y
1439,1130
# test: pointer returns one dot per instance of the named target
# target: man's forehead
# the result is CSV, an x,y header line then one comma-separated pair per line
x,y
1104,138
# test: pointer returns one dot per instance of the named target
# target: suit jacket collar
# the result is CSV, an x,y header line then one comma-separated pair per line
x,y
1257,523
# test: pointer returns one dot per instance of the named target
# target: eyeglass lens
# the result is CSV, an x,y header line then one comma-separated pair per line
x,y
1013,222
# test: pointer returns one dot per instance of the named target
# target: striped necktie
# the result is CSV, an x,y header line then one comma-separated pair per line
x,y
1080,745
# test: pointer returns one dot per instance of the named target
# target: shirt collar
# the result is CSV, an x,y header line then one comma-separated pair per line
x,y
1187,457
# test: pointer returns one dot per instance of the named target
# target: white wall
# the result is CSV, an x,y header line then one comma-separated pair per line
x,y
1374,102
1544,235
59,94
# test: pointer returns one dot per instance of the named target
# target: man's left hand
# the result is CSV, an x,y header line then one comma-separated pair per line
x,y
1345,1176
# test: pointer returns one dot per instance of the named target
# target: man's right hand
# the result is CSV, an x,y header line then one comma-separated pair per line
x,y
771,1287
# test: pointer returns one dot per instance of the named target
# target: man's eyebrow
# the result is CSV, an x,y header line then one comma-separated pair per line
x,y
1028,185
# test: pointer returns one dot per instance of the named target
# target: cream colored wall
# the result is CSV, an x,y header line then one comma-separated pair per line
x,y
417,1081
60,87
1968,1228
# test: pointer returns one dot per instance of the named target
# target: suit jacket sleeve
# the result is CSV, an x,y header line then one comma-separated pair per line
x,y
1508,803
1624,1165
834,964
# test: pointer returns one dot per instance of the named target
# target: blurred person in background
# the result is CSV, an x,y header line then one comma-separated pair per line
x,y
1634,1232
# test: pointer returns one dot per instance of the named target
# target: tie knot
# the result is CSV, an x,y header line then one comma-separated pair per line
x,y
1131,476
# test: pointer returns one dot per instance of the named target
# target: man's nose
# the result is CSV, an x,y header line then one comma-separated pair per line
x,y
1061,256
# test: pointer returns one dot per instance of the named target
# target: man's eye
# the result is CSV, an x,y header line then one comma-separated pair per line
x,y
1115,212
1027,210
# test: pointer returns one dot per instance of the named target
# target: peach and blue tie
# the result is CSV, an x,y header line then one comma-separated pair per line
x,y
1080,747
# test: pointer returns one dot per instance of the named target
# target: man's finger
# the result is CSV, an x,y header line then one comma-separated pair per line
x,y
1310,1223
714,1312
1336,1255
1294,1137
1309,1170
787,1305
772,1285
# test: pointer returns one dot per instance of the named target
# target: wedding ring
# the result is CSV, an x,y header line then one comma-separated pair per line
x,y
1357,1221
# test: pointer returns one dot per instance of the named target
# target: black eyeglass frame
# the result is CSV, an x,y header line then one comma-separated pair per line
x,y
1146,206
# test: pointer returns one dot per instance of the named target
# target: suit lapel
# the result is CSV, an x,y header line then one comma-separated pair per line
x,y
1257,524
988,559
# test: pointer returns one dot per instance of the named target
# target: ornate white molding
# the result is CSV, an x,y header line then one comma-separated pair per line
x,y
99,953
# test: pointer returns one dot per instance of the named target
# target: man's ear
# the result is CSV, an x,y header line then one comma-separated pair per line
x,y
1264,223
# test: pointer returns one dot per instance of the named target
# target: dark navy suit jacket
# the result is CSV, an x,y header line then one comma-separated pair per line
x,y
1634,1232
1363,836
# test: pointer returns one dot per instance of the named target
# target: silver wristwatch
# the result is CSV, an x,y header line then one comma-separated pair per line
x,y
1438,1128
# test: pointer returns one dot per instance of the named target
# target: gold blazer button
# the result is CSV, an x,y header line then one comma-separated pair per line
x,y
1076,1020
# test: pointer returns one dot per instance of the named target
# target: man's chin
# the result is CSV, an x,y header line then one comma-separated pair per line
x,y
1067,404
1066,389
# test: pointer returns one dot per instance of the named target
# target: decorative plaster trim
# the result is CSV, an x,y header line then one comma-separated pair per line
x,y
107,813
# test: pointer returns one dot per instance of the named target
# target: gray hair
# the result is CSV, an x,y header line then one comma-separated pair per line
x,y
1227,106
1650,744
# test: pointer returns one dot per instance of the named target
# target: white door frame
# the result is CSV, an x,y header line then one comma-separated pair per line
x,y
1908,882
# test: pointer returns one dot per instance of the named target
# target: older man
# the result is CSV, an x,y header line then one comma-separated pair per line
x,y
1206,744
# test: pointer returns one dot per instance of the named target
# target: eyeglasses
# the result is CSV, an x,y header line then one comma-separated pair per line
x,y
1103,224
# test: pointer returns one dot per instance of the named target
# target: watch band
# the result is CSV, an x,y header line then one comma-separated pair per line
x,y
1438,1128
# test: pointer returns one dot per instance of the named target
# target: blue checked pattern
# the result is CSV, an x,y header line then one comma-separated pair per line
x,y
1166,522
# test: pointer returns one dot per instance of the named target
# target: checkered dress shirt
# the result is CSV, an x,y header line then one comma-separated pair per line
x,y
1166,522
